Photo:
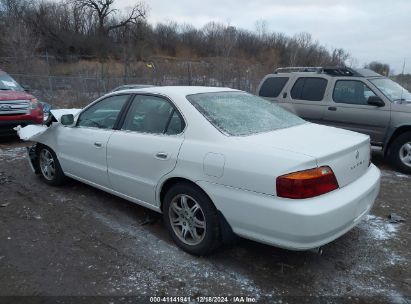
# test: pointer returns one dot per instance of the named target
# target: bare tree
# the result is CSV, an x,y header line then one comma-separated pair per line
x,y
21,45
379,67
103,10
339,56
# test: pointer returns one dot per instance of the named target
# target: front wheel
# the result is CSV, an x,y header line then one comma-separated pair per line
x,y
192,219
400,152
50,168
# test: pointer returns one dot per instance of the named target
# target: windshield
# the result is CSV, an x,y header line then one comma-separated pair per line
x,y
392,90
9,84
239,113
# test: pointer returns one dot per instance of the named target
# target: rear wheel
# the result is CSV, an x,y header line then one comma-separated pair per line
x,y
191,219
50,168
400,152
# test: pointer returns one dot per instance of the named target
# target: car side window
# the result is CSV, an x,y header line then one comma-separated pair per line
x,y
309,88
104,113
272,86
176,124
152,114
351,92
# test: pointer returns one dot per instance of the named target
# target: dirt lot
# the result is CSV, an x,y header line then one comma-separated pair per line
x,y
78,241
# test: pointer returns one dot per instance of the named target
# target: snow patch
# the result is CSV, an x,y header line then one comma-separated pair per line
x,y
395,259
192,278
12,154
379,228
390,174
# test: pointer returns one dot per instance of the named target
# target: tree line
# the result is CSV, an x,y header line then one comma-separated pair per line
x,y
95,28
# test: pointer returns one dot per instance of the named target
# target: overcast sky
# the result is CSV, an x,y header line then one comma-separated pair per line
x,y
368,29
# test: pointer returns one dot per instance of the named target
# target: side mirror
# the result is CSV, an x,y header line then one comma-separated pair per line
x,y
26,87
375,101
67,119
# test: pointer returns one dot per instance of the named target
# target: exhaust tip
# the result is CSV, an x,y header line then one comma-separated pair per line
x,y
317,250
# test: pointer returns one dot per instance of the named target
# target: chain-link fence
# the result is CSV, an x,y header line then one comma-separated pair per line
x,y
78,91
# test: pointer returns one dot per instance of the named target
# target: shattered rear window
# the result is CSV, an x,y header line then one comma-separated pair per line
x,y
239,113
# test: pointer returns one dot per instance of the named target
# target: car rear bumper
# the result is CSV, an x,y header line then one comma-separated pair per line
x,y
296,224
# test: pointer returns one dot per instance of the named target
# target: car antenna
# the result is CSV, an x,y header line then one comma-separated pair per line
x,y
402,88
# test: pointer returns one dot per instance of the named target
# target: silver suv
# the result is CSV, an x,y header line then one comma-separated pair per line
x,y
359,100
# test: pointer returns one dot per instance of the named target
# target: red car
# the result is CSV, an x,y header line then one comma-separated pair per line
x,y
17,107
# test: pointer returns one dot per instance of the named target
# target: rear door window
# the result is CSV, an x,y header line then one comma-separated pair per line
x,y
309,88
351,92
273,86
152,114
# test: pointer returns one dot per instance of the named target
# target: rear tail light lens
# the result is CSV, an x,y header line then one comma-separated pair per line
x,y
307,183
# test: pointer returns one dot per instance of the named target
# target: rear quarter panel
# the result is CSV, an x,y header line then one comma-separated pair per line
x,y
248,168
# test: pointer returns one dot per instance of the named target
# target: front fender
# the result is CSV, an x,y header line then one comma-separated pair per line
x,y
392,131
32,157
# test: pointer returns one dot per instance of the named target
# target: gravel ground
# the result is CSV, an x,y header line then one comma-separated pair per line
x,y
75,241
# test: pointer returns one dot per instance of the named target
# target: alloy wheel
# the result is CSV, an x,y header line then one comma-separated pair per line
x,y
47,165
405,154
187,219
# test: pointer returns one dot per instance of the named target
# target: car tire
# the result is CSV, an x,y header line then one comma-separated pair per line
x,y
191,219
400,153
49,167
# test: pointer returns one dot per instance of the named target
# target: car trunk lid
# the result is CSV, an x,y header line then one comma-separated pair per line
x,y
346,153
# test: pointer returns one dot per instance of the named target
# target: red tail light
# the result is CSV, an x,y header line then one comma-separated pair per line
x,y
307,183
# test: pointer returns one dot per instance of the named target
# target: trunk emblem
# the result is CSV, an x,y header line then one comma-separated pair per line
x,y
357,154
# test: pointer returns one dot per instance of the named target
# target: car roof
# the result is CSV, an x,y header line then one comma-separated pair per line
x,y
131,86
178,90
138,85
331,71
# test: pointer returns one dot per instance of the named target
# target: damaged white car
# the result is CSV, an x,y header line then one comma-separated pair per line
x,y
214,161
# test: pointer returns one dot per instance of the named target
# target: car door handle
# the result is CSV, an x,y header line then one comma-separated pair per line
x,y
161,155
332,109
98,144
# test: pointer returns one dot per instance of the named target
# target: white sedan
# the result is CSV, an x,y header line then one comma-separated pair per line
x,y
213,161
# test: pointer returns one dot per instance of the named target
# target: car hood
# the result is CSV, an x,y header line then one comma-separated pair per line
x,y
14,95
346,152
